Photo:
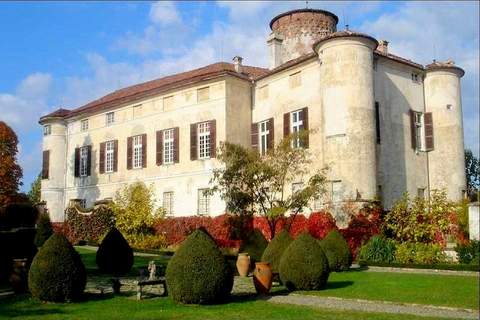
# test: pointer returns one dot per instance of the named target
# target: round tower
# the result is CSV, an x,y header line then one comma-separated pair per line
x,y
443,100
54,164
346,85
296,31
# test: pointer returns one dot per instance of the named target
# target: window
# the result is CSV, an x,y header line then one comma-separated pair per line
x,y
203,202
295,80
45,164
82,203
296,126
110,118
419,132
137,152
83,161
336,191
47,130
263,137
109,155
203,94
415,77
168,202
168,146
421,193
167,103
204,140
377,120
84,125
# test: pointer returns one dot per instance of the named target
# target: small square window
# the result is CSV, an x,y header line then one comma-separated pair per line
x,y
415,77
84,125
449,107
110,118
47,130
203,94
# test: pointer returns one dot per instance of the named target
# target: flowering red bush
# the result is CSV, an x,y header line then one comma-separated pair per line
x,y
320,224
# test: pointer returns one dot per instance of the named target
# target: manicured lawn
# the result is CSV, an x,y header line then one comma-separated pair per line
x,y
441,290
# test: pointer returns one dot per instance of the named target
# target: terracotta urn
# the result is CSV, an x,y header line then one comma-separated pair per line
x,y
262,277
19,276
243,264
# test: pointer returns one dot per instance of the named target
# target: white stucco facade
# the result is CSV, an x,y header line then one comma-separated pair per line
x,y
358,103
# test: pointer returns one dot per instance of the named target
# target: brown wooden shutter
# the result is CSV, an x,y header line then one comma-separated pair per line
x,y
129,152
176,145
101,161
304,115
377,120
193,141
115,155
89,160
144,150
286,124
159,153
45,164
213,138
254,136
271,134
428,121
412,129
77,162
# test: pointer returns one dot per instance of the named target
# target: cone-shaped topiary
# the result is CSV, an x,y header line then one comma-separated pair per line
x,y
114,256
254,245
337,251
57,273
44,229
274,251
304,265
198,273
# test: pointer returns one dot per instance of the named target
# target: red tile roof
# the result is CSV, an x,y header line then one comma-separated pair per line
x,y
399,59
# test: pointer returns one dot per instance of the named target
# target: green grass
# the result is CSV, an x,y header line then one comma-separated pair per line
x,y
440,290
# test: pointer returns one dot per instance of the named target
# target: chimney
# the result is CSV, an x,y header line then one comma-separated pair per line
x,y
274,42
383,46
237,63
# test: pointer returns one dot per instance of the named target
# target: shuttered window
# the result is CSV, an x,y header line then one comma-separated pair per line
x,y
377,120
109,156
203,140
428,122
265,136
45,164
83,161
137,152
168,146
293,123
421,125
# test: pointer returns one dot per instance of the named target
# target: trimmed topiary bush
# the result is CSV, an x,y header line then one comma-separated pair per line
x,y
336,249
57,273
304,265
274,251
44,229
254,245
198,273
114,255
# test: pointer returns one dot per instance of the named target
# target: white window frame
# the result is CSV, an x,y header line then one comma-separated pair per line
x,y
419,130
84,125
263,133
295,126
137,161
203,202
168,200
109,156
168,146
110,118
83,161
47,130
203,140
83,203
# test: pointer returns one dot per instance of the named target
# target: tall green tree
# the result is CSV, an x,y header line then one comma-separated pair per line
x,y
35,190
10,171
253,184
472,171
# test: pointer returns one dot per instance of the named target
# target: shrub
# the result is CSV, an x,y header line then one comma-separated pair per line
x,y
88,227
114,255
320,224
274,251
148,241
379,250
57,273
337,251
254,245
469,252
17,215
44,229
304,265
198,273
419,253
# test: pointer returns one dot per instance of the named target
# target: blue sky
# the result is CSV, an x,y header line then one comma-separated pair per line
x,y
68,53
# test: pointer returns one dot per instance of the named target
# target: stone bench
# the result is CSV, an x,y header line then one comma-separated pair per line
x,y
144,283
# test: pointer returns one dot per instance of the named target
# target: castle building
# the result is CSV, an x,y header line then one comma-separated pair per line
x,y
381,123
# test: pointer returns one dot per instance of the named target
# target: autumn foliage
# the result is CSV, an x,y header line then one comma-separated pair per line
x,y
10,171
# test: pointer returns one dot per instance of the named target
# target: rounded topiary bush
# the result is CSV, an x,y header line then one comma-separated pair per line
x,y
114,255
274,251
337,251
254,245
198,273
57,273
304,265
44,229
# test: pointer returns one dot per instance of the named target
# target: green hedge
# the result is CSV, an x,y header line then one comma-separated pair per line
x,y
453,267
254,245
274,251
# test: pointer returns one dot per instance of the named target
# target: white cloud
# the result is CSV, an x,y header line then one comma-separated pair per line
x,y
164,13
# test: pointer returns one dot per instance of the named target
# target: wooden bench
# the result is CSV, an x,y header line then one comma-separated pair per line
x,y
144,283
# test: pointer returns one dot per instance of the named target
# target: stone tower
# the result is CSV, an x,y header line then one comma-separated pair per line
x,y
443,100
294,32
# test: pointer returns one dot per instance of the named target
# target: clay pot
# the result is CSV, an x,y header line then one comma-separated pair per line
x,y
262,277
243,264
19,276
